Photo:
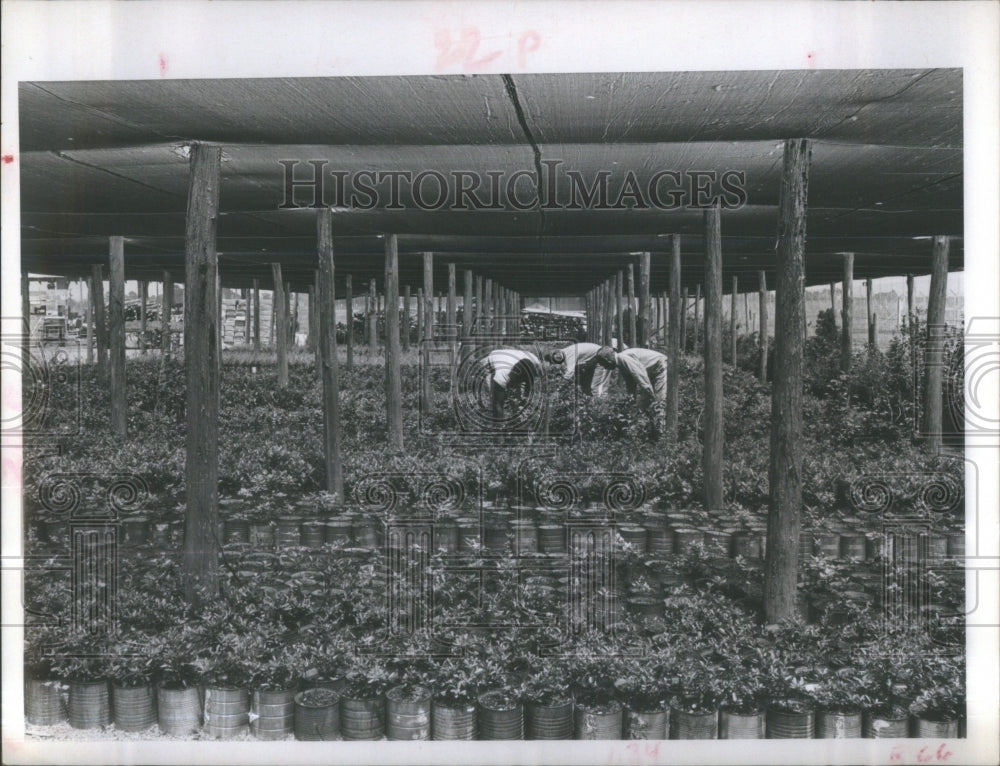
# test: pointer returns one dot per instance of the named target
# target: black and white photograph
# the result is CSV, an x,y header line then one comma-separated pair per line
x,y
491,373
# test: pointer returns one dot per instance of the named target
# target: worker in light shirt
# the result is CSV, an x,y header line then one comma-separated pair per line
x,y
511,371
586,362
645,375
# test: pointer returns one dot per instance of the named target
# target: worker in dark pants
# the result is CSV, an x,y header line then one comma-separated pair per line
x,y
591,365
512,372
645,374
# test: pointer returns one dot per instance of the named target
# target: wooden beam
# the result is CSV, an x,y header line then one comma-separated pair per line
x,y
868,298
762,331
846,313
89,318
630,286
326,293
675,323
405,330
116,321
100,318
684,313
143,295
732,322
785,476
393,390
644,315
349,306
467,305
201,473
426,392
934,353
712,444
280,322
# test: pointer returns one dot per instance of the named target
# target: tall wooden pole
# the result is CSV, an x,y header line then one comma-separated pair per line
x,y
406,319
116,320
684,313
762,331
630,286
97,278
426,392
201,473
372,319
467,304
674,339
166,307
247,317
846,313
326,340
909,299
349,305
88,319
732,322
607,313
644,315
256,314
620,308
934,355
143,295
785,475
280,314
393,390
488,307
833,303
420,316
868,299
451,319
712,445
697,318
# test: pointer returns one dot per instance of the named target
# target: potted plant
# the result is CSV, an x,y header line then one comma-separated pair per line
x,y
598,713
272,706
133,692
454,702
940,703
44,699
362,705
742,690
227,700
641,682
548,701
841,697
317,714
83,663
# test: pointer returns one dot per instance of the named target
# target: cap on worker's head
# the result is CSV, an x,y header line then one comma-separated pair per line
x,y
556,357
606,356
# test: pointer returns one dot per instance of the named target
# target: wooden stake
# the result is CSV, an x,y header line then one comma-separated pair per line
x,y
452,311
349,305
372,319
620,308
712,445
143,295
833,303
732,322
762,332
427,394
116,310
684,313
644,316
785,475
201,474
675,323
697,318
393,390
871,328
326,293
467,305
405,331
166,307
256,315
934,354
846,313
97,279
280,322
89,318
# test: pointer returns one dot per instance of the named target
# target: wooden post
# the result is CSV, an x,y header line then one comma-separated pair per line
x,y
467,305
909,299
785,475
871,329
762,310
312,334
405,329
97,279
712,446
372,319
201,473
166,307
420,316
256,315
488,306
684,313
326,292
88,317
697,318
675,323
644,316
280,314
934,355
393,390
452,311
143,294
846,313
292,307
116,319
349,305
620,308
247,318
833,303
480,302
630,288
426,392
606,308
732,322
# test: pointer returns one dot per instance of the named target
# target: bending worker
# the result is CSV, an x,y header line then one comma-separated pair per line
x,y
511,371
589,363
645,375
